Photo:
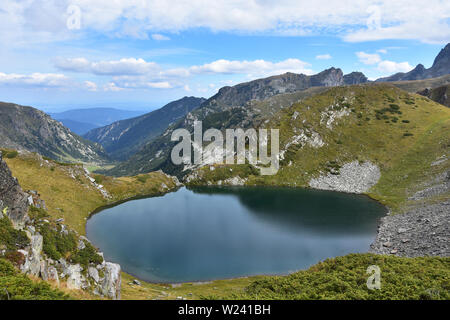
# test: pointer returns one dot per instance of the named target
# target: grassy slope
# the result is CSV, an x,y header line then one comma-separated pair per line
x,y
150,291
405,161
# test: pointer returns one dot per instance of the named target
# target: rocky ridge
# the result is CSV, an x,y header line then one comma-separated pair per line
x,y
353,177
440,67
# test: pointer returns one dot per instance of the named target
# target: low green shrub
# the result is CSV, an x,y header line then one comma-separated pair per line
x,y
11,238
17,286
37,213
15,257
11,154
346,278
86,256
57,244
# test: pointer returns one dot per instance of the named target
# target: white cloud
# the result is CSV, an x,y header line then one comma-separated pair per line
x,y
132,67
125,66
323,57
387,66
111,86
384,51
159,37
139,82
368,58
38,20
34,80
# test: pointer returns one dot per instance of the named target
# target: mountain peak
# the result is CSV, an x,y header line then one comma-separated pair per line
x,y
443,58
441,66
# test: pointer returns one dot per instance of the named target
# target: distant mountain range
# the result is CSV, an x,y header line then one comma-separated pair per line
x,y
27,128
233,107
440,67
81,121
124,138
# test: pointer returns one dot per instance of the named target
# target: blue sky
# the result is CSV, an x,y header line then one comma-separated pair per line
x,y
140,55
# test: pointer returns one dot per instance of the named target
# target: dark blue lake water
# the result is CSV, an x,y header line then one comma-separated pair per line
x,y
224,232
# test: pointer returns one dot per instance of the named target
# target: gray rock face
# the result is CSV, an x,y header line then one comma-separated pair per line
x,y
93,273
289,82
353,177
355,78
440,67
33,257
12,198
112,281
423,231
52,274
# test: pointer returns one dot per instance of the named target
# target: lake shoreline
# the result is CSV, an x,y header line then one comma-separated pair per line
x,y
100,209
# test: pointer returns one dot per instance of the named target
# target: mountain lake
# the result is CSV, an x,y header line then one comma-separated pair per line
x,y
209,233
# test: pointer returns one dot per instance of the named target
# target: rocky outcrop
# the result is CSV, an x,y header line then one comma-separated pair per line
x,y
33,256
13,201
355,78
103,279
440,94
75,279
353,177
111,283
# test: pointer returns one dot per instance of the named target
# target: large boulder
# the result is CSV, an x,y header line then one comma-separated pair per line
x,y
75,278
